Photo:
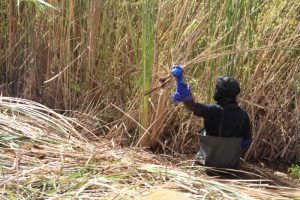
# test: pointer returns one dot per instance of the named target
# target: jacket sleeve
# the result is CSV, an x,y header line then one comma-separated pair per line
x,y
198,109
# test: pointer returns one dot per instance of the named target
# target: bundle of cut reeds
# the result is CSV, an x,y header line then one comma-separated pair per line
x,y
43,156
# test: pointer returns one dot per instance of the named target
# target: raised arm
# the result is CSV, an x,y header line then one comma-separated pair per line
x,y
183,94
190,105
198,109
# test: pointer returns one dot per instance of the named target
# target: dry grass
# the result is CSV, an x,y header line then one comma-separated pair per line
x,y
44,157
87,57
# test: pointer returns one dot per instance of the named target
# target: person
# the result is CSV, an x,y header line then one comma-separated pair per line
x,y
226,125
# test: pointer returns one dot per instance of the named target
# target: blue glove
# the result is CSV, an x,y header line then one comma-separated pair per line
x,y
182,92
177,72
246,143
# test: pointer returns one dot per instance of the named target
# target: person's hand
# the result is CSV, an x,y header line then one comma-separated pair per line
x,y
182,93
177,72
246,142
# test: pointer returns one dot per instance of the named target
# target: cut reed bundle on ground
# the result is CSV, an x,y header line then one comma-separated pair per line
x,y
43,156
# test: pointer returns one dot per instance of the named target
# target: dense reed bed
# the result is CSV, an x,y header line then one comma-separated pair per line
x,y
43,156
101,57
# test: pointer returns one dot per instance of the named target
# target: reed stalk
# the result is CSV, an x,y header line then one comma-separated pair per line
x,y
97,56
147,48
94,60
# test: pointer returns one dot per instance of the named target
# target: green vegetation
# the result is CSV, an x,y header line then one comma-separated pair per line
x,y
100,57
147,44
294,170
104,61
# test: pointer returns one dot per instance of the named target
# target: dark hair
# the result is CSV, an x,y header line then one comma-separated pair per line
x,y
226,88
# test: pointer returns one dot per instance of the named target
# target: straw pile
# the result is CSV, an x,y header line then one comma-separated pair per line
x,y
44,156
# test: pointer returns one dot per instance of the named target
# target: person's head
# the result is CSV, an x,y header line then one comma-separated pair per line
x,y
227,88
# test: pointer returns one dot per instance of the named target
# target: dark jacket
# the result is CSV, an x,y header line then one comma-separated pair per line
x,y
236,122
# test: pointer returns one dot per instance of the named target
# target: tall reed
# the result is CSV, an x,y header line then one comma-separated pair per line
x,y
147,48
100,57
